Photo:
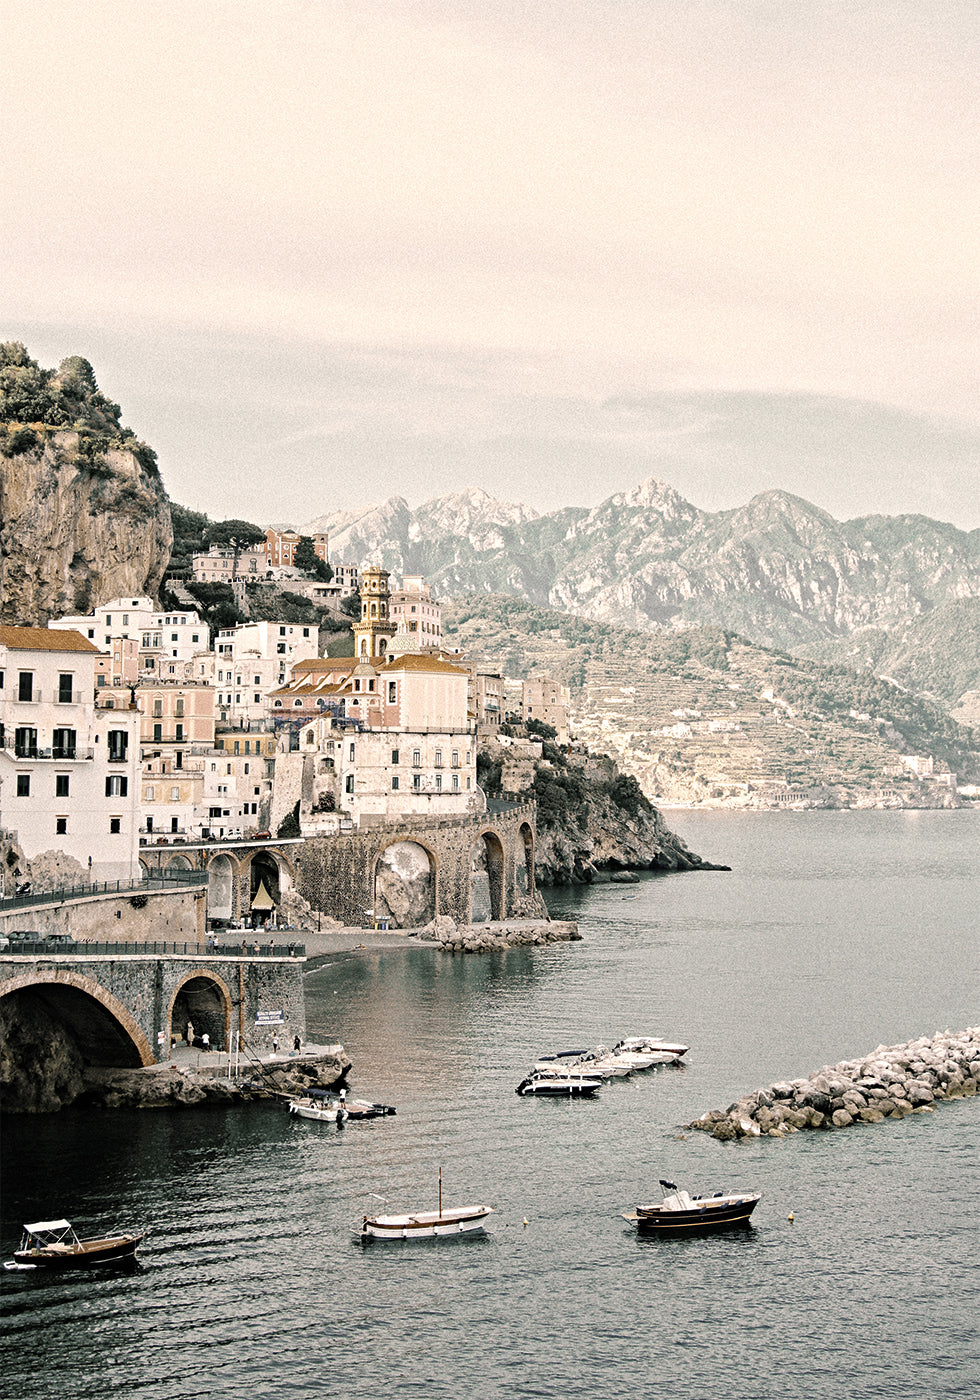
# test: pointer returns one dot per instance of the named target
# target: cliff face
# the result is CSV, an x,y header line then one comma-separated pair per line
x,y
592,819
76,530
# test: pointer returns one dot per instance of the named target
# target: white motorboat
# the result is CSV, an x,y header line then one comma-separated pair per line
x,y
319,1110
680,1212
568,1086
426,1224
654,1045
592,1069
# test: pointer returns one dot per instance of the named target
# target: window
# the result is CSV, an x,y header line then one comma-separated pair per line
x,y
61,826
174,794
350,753
179,710
62,783
157,733
115,826
237,749
394,755
100,680
455,782
178,759
245,767
455,758
65,688
63,743
280,648
349,785
25,742
392,692
417,781
150,794
119,744
25,685
157,708
438,782
394,784
438,758
179,733
416,758
23,784
116,786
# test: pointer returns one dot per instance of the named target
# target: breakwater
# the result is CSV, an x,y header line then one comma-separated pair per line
x,y
892,1082
493,938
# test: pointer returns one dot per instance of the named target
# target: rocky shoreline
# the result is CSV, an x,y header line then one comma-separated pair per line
x,y
892,1082
206,1083
494,938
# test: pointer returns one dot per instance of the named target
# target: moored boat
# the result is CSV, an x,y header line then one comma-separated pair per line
x,y
651,1044
53,1244
553,1085
683,1213
318,1110
426,1224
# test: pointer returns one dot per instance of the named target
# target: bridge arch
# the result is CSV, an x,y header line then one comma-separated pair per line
x,y
221,870
201,998
486,878
101,1027
405,883
524,861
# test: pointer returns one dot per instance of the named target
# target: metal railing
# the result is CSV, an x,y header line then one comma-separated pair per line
x,y
67,893
46,947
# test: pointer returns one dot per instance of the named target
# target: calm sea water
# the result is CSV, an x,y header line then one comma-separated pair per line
x,y
834,932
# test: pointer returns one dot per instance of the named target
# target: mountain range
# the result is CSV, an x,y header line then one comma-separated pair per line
x,y
778,571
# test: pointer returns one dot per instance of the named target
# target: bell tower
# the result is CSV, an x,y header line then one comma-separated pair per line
x,y
375,630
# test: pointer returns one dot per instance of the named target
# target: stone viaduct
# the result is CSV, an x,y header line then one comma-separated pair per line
x,y
124,1004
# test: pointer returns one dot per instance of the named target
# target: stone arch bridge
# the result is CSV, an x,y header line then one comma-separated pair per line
x,y
123,1005
245,878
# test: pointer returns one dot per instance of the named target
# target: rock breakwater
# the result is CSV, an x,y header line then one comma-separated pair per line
x,y
892,1082
191,1086
493,938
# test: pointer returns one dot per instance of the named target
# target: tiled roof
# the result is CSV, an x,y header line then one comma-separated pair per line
x,y
416,661
44,639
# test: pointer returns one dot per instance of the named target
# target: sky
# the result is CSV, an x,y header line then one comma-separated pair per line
x,y
327,251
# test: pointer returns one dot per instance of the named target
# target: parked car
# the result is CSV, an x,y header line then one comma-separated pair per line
x,y
4,942
22,935
60,940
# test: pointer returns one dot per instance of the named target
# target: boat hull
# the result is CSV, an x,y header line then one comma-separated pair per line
x,y
559,1088
463,1220
317,1115
91,1254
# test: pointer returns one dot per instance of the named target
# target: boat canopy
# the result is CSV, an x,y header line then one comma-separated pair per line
x,y
43,1226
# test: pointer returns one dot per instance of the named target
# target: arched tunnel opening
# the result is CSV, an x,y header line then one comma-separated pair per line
x,y
200,1010
50,1033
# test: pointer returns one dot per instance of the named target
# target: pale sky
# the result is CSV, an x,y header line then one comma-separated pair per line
x,y
326,252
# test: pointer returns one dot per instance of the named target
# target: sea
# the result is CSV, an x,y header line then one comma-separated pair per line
x,y
833,933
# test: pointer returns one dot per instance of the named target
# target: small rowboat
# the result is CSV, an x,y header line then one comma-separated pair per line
x,y
426,1224
53,1244
680,1213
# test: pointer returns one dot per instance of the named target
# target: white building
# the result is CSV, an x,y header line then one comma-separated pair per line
x,y
69,772
175,634
254,659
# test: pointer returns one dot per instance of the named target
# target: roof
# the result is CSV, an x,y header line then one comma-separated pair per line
x,y
419,661
44,639
48,1225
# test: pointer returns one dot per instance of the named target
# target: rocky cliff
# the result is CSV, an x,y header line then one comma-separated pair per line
x,y
83,513
593,821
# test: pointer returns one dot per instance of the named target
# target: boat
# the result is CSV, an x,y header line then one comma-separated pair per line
x,y
319,1110
426,1224
651,1044
363,1108
567,1086
679,1212
53,1244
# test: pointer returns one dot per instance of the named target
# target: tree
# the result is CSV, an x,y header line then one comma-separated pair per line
x,y
307,559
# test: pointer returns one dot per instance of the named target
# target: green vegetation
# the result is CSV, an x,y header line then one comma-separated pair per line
x,y
307,559
35,402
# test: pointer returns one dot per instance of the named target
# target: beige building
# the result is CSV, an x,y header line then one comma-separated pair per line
x,y
413,609
549,702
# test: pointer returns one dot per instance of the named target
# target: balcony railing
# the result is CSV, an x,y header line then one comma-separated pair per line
x,y
55,753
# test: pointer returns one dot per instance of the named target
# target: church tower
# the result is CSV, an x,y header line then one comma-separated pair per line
x,y
375,630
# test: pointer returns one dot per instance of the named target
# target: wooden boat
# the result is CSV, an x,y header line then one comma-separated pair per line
x,y
681,1213
567,1086
426,1224
53,1244
324,1106
363,1108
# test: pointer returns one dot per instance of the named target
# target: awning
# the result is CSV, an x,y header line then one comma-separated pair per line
x,y
263,899
48,1225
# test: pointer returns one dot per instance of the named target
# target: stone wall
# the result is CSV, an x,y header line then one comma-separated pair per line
x,y
167,916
